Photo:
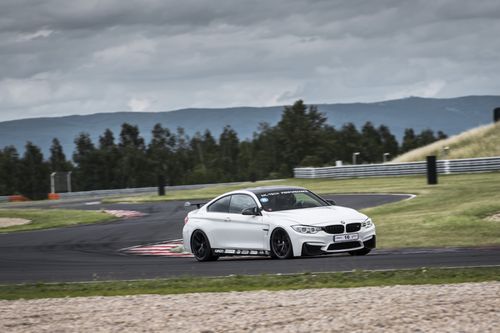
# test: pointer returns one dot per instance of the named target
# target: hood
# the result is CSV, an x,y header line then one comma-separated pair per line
x,y
320,216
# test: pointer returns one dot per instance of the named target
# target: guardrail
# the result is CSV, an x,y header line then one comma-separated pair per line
x,y
465,165
126,191
134,191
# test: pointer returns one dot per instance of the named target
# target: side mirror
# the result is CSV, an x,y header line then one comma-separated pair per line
x,y
251,211
331,202
188,204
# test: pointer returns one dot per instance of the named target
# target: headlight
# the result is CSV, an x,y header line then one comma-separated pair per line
x,y
306,229
367,223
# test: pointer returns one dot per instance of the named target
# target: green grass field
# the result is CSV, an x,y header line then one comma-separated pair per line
x,y
52,218
452,213
247,283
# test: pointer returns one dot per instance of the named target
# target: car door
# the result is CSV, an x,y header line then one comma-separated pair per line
x,y
244,231
217,217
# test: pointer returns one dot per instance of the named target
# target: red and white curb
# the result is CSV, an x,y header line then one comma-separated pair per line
x,y
124,213
172,248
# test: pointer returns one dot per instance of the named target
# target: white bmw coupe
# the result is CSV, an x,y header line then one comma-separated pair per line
x,y
281,222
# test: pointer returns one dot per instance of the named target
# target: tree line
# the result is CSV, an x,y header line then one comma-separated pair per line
x,y
301,138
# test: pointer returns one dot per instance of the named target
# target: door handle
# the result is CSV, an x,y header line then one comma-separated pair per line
x,y
227,219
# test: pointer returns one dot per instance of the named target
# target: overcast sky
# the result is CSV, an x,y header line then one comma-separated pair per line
x,y
89,56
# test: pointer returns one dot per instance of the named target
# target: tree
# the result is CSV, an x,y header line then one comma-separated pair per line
x,y
389,142
160,153
204,158
88,165
133,158
107,140
247,162
208,151
328,151
109,159
57,158
371,144
9,171
34,172
349,141
229,151
266,153
441,135
425,137
299,134
182,162
409,140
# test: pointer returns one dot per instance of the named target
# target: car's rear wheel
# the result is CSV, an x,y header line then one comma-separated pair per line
x,y
361,252
200,246
281,245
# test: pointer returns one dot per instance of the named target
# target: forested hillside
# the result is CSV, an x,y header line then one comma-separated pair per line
x,y
450,115
302,137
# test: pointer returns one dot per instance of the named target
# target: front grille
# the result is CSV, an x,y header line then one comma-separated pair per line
x,y
353,227
334,229
343,246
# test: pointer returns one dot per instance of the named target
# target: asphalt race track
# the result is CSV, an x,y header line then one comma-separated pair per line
x,y
90,252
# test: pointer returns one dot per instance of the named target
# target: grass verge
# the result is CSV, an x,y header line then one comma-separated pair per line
x,y
51,218
248,283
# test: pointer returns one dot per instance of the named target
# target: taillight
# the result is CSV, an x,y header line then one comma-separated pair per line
x,y
186,219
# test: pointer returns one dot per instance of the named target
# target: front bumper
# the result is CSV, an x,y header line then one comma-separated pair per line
x,y
322,242
309,249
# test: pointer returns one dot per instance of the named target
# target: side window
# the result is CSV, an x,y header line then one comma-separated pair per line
x,y
221,205
239,202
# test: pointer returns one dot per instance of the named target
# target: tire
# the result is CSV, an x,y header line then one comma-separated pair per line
x,y
200,247
361,252
281,245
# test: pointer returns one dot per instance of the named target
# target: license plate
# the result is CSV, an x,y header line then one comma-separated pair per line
x,y
345,238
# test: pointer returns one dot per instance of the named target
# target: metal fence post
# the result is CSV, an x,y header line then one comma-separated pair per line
x,y
52,182
68,179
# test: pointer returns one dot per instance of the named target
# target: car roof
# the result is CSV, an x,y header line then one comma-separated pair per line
x,y
266,189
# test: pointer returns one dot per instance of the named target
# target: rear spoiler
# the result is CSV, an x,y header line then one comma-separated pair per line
x,y
197,204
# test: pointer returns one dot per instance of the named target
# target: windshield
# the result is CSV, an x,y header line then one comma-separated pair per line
x,y
289,199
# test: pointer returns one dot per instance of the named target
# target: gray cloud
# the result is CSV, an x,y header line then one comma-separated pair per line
x,y
59,57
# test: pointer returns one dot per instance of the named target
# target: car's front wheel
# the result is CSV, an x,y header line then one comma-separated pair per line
x,y
361,252
200,247
281,245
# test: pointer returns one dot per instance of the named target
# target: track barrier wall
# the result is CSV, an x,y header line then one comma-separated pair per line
x,y
118,192
134,191
465,165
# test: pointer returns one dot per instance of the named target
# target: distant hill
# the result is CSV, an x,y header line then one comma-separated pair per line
x,y
483,141
452,115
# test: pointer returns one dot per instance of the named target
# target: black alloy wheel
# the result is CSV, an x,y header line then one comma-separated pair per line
x,y
200,247
281,246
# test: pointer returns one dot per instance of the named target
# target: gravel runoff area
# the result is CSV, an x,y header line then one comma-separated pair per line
x,y
467,307
10,221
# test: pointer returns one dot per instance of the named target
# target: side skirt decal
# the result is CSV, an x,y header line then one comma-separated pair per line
x,y
241,252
